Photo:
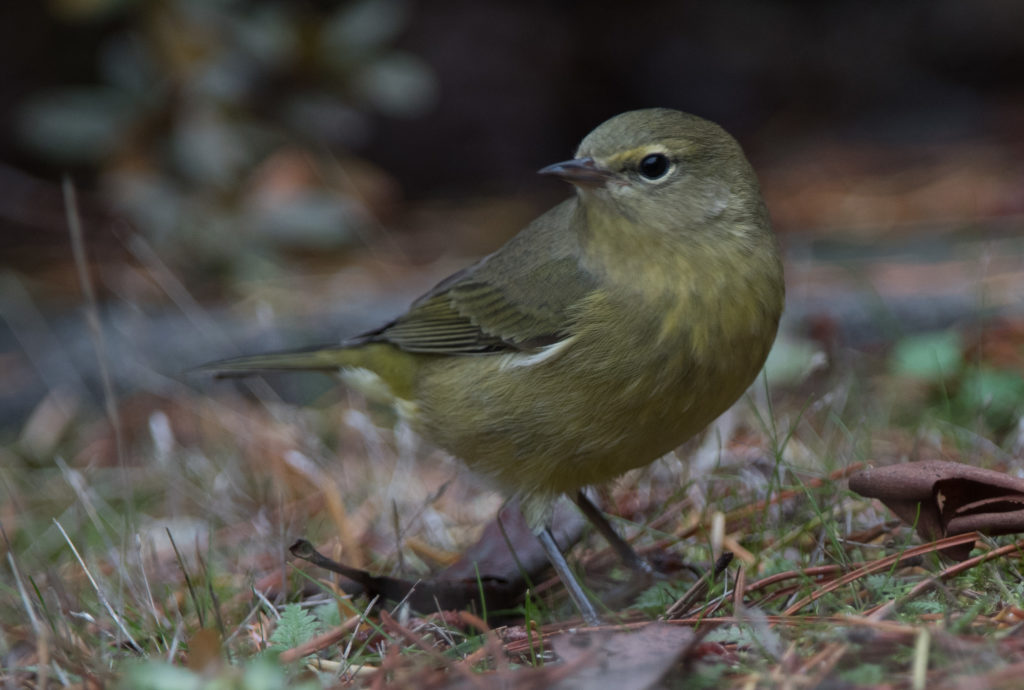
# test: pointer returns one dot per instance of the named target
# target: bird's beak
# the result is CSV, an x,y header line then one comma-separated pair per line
x,y
579,171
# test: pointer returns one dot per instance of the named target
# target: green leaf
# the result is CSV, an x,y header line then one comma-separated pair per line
x,y
295,627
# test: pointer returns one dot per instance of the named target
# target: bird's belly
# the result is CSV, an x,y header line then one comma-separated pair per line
x,y
583,415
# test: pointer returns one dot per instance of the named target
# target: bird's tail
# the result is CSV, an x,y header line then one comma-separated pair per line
x,y
326,359
376,369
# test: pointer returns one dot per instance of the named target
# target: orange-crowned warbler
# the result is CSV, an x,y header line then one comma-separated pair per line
x,y
606,333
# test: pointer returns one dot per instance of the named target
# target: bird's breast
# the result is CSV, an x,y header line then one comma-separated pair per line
x,y
649,363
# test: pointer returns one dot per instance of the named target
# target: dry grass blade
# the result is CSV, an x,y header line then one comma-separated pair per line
x,y
99,592
919,669
806,573
41,633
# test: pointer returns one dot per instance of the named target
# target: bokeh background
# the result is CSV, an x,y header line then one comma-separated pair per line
x,y
311,165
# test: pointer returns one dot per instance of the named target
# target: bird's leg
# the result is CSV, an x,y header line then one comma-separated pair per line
x,y
576,593
621,547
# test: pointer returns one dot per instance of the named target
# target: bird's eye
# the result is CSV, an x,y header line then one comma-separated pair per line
x,y
654,166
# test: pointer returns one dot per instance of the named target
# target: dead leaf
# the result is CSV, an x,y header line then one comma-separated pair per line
x,y
621,660
943,499
498,566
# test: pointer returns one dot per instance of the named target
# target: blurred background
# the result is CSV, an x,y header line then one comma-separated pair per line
x,y
253,175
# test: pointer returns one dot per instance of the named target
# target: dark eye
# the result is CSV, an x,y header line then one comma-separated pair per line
x,y
654,166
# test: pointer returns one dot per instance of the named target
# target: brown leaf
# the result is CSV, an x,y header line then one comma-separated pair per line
x,y
498,566
947,498
615,661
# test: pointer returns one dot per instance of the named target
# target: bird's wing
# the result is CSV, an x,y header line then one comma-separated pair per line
x,y
512,300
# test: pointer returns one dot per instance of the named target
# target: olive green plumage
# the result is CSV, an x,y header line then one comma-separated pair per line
x,y
610,330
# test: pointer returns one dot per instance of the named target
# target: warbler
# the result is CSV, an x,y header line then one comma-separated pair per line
x,y
610,330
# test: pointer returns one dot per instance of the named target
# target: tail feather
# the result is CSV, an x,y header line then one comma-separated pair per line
x,y
327,359
396,370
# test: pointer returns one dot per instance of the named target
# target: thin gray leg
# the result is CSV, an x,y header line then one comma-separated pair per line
x,y
619,545
576,593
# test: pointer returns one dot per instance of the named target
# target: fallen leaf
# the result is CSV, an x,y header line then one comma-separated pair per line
x,y
498,566
942,499
621,660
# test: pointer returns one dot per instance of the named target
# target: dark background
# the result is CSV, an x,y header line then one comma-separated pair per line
x,y
516,84
288,162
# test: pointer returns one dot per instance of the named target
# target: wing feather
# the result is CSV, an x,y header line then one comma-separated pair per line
x,y
518,299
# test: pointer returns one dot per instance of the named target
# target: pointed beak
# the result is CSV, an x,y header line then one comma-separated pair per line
x,y
579,171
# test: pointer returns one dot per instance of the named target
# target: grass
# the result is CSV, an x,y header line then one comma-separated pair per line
x,y
183,581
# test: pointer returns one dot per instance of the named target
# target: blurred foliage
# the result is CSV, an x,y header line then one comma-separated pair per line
x,y
220,124
929,356
257,674
966,383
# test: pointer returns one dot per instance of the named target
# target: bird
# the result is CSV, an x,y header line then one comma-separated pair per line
x,y
606,333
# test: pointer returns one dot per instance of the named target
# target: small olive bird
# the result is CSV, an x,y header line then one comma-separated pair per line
x,y
606,333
